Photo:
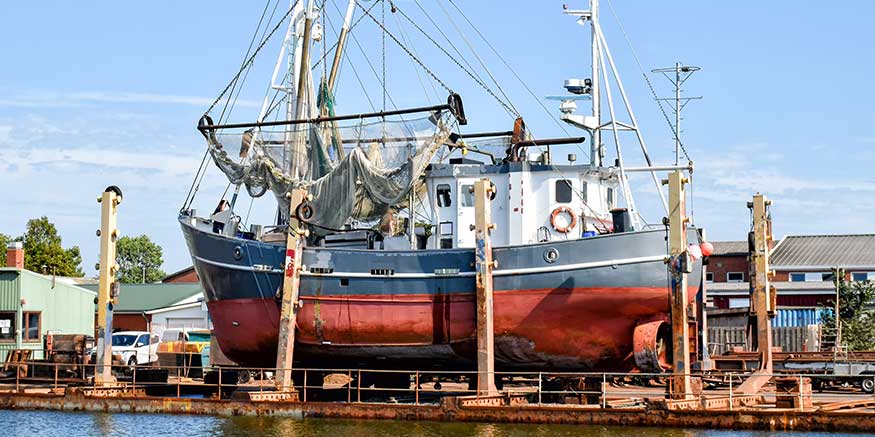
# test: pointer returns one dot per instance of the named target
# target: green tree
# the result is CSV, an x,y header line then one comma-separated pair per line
x,y
4,242
139,260
856,318
43,251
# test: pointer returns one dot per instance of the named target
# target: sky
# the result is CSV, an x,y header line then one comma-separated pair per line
x,y
109,93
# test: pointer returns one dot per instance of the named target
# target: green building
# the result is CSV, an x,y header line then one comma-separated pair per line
x,y
32,305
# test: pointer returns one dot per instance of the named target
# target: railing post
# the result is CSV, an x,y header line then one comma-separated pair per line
x,y
56,376
133,378
349,386
416,388
220,383
17,372
801,395
358,387
178,381
305,385
730,391
539,388
604,390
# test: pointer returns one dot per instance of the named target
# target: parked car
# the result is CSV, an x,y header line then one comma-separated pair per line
x,y
133,348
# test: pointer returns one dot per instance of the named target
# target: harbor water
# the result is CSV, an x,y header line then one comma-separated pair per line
x,y
69,424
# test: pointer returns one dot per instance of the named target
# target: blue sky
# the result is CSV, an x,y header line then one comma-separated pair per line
x,y
99,93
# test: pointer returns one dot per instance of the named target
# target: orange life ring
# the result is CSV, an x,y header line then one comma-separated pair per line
x,y
571,214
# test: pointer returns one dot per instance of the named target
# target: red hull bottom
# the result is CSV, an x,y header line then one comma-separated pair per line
x,y
589,328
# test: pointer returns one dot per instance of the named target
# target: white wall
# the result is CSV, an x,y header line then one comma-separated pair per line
x,y
192,317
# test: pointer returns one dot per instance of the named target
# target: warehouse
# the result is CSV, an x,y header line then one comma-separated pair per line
x,y
33,305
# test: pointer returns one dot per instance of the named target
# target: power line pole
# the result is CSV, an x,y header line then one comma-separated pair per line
x,y
681,74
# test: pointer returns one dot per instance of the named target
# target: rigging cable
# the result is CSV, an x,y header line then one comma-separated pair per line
x,y
647,79
515,74
479,59
427,70
251,59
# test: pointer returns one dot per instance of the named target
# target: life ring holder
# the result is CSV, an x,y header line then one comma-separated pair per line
x,y
563,229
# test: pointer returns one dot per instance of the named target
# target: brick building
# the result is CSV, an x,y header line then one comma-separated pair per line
x,y
803,267
184,276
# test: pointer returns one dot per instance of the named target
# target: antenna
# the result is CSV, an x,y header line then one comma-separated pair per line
x,y
681,74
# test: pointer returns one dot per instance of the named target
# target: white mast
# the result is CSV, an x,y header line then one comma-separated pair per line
x,y
593,123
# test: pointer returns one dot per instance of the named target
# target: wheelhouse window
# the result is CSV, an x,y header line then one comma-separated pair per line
x,y
735,277
31,326
709,277
466,196
563,191
7,326
610,198
583,190
444,196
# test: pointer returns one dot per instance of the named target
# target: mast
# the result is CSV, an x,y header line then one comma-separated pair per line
x,y
596,147
341,44
681,74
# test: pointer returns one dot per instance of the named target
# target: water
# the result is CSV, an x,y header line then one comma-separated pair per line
x,y
51,423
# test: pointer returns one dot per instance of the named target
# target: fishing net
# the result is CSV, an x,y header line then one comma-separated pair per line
x,y
376,166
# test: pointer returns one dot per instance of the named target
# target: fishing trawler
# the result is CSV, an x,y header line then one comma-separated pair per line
x,y
388,277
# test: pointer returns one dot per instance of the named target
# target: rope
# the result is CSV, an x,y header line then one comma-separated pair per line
x,y
649,83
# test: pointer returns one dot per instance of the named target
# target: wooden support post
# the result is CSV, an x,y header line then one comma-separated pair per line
x,y
107,288
678,265
483,226
290,304
762,295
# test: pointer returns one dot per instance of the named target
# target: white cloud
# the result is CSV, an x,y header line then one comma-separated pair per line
x,y
51,99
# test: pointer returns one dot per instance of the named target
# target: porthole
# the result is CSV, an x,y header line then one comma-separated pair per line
x,y
551,255
238,253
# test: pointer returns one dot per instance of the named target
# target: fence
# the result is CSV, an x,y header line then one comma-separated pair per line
x,y
614,390
790,338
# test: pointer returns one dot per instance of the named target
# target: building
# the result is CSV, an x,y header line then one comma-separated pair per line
x,y
155,307
33,305
184,276
804,281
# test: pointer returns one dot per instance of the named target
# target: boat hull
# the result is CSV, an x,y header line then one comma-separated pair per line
x,y
416,309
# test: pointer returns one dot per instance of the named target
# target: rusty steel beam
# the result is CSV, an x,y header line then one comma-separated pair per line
x,y
484,190
681,388
108,233
290,304
762,297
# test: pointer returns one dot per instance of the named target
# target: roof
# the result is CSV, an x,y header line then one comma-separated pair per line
x,y
48,280
737,288
177,273
823,252
724,248
145,297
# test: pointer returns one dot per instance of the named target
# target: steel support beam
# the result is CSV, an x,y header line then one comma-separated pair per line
x,y
106,289
679,264
762,295
290,301
484,190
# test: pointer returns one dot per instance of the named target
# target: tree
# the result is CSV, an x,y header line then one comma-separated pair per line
x,y
139,260
857,320
4,241
43,251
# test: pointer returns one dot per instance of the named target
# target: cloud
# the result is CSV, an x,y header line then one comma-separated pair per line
x,y
52,99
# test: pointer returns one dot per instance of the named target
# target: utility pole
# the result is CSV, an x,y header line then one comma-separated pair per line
x,y
680,75
484,191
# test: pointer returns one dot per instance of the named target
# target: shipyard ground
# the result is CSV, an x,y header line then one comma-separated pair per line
x,y
831,410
